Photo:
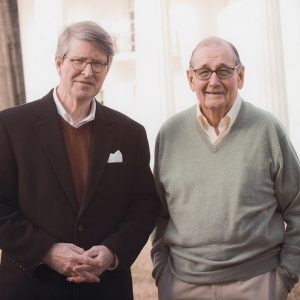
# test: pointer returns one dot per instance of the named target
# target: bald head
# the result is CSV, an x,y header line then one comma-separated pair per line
x,y
213,41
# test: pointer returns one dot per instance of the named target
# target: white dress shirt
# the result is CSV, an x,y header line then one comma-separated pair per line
x,y
63,113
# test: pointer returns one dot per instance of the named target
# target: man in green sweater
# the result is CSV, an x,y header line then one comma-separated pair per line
x,y
228,178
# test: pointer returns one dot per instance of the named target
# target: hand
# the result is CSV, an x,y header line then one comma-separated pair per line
x,y
97,260
63,257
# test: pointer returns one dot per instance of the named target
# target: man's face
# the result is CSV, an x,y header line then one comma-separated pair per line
x,y
214,94
81,85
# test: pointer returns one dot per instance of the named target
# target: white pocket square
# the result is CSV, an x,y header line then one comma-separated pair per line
x,y
116,157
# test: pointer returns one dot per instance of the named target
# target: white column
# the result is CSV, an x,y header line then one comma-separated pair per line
x,y
40,22
274,72
290,18
154,75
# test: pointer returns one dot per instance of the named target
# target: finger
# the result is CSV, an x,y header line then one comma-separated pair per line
x,y
82,280
83,268
74,274
76,279
84,277
75,260
79,259
92,252
76,249
88,261
90,277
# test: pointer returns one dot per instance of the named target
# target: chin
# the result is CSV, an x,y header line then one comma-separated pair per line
x,y
83,96
85,92
215,103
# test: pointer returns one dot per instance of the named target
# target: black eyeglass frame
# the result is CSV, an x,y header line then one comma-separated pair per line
x,y
215,71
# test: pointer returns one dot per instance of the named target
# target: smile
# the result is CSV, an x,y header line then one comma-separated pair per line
x,y
214,93
85,82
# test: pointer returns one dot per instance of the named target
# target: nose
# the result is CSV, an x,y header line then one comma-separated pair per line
x,y
214,79
88,71
214,76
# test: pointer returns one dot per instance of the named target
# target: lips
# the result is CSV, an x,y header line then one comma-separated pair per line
x,y
85,82
214,93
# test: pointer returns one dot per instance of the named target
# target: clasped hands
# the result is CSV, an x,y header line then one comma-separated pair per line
x,y
77,264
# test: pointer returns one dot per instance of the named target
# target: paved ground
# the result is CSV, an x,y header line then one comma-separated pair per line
x,y
143,284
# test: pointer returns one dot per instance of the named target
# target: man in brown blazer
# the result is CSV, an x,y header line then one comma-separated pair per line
x,y
77,199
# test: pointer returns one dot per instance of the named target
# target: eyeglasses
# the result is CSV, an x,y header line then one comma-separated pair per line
x,y
80,64
222,72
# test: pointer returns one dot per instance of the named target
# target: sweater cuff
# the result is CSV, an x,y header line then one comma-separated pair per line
x,y
288,279
158,270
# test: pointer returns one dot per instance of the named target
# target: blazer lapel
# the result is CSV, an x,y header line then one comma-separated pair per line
x,y
49,132
102,141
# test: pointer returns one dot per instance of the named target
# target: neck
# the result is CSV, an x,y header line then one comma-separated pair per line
x,y
214,117
78,109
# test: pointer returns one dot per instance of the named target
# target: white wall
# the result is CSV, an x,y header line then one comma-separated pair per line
x,y
150,84
290,18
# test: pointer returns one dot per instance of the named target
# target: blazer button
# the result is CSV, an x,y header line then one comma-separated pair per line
x,y
80,228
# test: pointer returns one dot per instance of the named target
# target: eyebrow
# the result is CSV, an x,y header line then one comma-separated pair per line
x,y
85,58
221,65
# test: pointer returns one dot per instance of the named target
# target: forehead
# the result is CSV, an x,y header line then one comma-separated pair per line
x,y
85,49
213,55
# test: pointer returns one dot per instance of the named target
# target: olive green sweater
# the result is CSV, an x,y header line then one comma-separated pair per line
x,y
224,205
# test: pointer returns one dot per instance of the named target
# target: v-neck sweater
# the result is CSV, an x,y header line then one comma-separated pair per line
x,y
227,202
77,142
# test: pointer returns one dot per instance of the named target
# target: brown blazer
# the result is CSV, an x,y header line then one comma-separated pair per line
x,y
38,206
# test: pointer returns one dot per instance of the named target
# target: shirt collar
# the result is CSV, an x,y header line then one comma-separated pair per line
x,y
63,113
227,121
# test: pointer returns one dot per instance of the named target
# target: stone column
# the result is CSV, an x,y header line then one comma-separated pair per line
x,y
274,71
12,89
154,74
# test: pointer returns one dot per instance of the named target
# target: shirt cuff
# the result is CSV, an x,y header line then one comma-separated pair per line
x,y
114,265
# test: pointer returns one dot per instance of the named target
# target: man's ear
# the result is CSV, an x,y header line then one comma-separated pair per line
x,y
190,77
58,64
241,76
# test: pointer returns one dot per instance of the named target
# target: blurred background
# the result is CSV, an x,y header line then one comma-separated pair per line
x,y
153,42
